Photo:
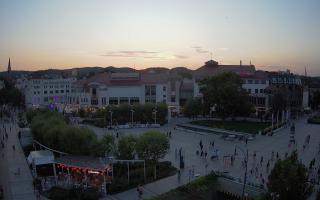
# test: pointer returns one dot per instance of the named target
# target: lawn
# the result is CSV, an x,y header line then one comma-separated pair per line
x,y
239,126
200,189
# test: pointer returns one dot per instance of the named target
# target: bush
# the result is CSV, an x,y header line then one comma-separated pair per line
x,y
51,129
142,114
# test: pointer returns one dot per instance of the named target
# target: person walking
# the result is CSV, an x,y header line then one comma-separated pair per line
x,y
140,191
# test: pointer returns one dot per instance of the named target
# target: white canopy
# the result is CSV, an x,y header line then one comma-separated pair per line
x,y
41,157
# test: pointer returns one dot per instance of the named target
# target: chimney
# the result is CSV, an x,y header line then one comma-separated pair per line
x,y
240,63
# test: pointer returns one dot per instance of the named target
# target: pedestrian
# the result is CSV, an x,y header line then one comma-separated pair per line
x,y
277,156
205,154
13,147
254,156
170,134
176,153
213,144
261,160
140,191
235,151
201,154
232,160
179,176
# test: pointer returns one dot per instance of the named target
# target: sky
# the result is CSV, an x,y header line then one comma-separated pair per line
x,y
272,34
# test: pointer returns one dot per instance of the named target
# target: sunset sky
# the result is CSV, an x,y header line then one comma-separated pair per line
x,y
273,34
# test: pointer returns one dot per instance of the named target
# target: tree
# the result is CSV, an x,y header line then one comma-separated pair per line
x,y
152,146
126,147
224,92
289,179
279,100
108,144
192,108
10,95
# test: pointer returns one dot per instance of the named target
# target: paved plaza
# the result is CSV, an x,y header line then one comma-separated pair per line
x,y
262,146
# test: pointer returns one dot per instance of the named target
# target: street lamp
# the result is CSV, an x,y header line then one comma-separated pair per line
x,y
246,163
155,115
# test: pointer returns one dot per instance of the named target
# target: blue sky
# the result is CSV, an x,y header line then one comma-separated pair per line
x,y
273,34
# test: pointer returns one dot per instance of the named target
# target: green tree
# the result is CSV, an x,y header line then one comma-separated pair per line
x,y
152,146
126,147
10,95
224,92
289,179
279,100
192,108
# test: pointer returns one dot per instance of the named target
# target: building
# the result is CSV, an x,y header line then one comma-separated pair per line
x,y
48,92
145,86
292,84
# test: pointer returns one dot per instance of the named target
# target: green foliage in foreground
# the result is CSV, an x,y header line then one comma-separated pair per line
x,y
289,179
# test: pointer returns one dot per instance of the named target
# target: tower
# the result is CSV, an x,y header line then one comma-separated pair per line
x,y
9,66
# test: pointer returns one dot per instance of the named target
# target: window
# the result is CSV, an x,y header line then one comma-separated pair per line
x,y
34,92
103,100
94,101
256,81
249,82
51,92
134,100
263,81
94,91
67,91
249,91
153,90
113,100
164,88
45,99
256,91
61,91
124,100
173,99
57,91
45,92
261,91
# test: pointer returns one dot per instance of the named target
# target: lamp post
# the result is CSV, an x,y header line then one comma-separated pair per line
x,y
245,154
155,115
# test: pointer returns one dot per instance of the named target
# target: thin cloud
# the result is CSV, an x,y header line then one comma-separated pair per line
x,y
224,49
143,54
199,49
181,56
138,54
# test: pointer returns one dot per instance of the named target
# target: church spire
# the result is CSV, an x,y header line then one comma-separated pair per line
x,y
9,66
